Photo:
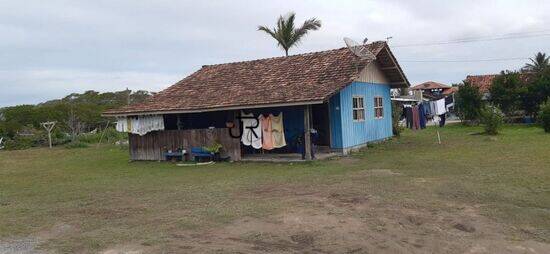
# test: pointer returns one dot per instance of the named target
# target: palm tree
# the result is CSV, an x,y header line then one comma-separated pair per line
x,y
540,63
286,35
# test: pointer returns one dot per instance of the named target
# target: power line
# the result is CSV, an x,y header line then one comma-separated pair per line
x,y
480,38
465,60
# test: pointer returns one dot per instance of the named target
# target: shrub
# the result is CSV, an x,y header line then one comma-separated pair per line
x,y
492,118
469,103
397,111
544,116
76,144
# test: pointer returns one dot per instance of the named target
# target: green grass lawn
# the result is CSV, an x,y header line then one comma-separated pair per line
x,y
112,201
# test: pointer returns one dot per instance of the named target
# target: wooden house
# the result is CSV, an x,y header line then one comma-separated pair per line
x,y
345,99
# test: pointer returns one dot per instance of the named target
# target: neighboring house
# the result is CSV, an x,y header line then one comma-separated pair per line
x,y
334,92
484,82
433,90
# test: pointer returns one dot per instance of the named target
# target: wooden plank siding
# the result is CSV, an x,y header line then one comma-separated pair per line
x,y
347,133
151,145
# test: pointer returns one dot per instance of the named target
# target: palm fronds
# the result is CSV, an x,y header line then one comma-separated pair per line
x,y
286,35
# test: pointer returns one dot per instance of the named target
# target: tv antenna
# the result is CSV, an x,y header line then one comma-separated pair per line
x,y
360,50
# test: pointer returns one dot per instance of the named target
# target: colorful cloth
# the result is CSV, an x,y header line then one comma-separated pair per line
x,y
267,132
416,118
278,131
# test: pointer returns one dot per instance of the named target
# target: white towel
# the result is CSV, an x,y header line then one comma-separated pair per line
x,y
248,138
440,107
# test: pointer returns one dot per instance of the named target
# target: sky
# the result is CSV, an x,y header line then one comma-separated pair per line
x,y
49,49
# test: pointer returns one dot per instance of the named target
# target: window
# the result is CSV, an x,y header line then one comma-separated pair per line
x,y
358,108
378,107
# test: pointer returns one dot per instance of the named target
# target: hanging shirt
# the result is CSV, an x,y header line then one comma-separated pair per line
x,y
440,107
278,131
422,115
267,132
252,131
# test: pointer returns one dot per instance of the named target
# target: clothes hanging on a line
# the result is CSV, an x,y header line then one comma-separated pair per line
x,y
422,116
252,131
267,132
440,107
263,132
278,130
442,121
140,125
407,111
416,118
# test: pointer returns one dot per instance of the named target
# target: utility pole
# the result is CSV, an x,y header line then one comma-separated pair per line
x,y
128,98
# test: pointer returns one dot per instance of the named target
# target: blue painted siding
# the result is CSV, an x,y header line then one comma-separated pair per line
x,y
351,133
335,122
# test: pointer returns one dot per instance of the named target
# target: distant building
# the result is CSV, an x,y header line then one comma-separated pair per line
x,y
484,82
433,91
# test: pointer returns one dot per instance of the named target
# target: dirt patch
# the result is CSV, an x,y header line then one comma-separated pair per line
x,y
348,223
125,249
25,245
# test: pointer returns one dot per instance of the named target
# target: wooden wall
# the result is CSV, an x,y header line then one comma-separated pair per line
x,y
151,145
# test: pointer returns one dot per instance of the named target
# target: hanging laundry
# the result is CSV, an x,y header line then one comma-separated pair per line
x,y
416,119
252,131
122,124
278,131
408,116
427,108
140,125
267,132
442,121
422,116
440,107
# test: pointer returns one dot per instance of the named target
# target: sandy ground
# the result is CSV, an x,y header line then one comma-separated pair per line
x,y
328,221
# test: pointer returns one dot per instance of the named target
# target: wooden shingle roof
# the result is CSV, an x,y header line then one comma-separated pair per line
x,y
294,80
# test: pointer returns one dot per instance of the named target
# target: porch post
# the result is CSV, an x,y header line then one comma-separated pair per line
x,y
307,132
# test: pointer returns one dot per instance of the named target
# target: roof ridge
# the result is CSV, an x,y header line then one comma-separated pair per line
x,y
281,57
274,57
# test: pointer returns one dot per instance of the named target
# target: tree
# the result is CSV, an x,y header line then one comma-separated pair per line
x,y
286,34
536,92
538,64
469,102
505,92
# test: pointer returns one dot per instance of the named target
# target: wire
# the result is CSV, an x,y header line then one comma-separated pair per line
x,y
465,60
480,38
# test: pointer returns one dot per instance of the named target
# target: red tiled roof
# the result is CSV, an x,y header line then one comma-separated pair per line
x,y
483,82
430,85
304,78
450,90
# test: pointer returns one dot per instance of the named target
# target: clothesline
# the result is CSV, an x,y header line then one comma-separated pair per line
x,y
263,132
140,125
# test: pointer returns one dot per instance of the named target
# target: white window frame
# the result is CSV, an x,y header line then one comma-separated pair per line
x,y
379,106
358,109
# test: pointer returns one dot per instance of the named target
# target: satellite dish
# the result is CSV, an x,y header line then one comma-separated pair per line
x,y
359,50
